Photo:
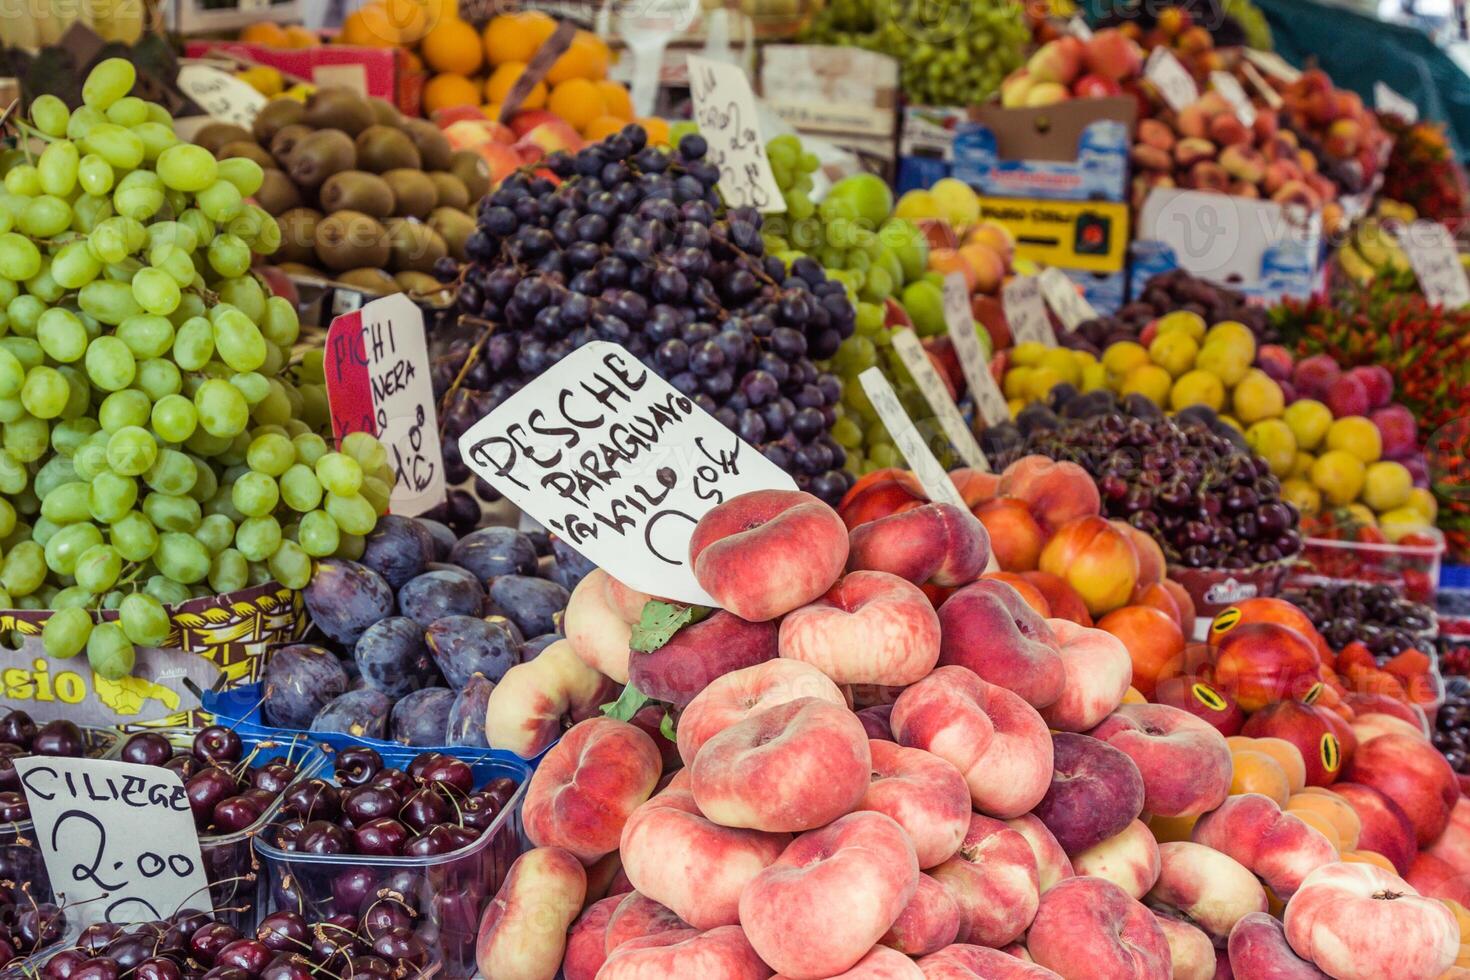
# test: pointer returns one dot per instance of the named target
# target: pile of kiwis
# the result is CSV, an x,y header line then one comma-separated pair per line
x,y
363,195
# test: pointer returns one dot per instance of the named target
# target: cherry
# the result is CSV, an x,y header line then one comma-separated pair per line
x,y
273,777
250,955
206,789
129,951
63,964
501,790
287,831
436,840
17,728
287,967
9,778
183,764
94,938
235,813
479,811
383,837
216,743
321,837
190,921
59,738
314,799
40,925
157,968
147,749
13,807
226,973
384,916
402,945
423,761
283,932
356,766
353,888
372,966
395,780
448,771
209,939
461,836
369,803
96,969
424,809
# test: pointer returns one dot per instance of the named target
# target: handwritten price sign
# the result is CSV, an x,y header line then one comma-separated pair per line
x,y
619,464
221,94
118,839
724,108
931,475
1026,312
377,367
932,387
1436,263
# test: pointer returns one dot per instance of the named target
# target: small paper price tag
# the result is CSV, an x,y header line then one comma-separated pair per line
x,y
1436,263
931,475
220,94
1272,64
932,387
1173,80
1026,313
619,464
989,402
1077,27
1225,83
724,108
1065,301
1262,87
1390,103
118,838
377,372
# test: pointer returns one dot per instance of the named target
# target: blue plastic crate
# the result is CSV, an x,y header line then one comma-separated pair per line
x,y
239,708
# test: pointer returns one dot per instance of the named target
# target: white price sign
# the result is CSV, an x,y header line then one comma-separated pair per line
x,y
118,838
617,463
931,476
1225,83
989,402
933,388
1026,312
1262,87
1065,301
1436,263
1272,64
724,108
1077,27
377,371
1172,79
1390,103
221,94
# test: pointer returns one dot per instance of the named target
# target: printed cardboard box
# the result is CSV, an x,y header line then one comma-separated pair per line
x,y
384,73
1072,151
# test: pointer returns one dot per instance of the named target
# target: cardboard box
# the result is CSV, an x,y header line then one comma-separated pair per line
x,y
1262,249
926,145
1088,240
194,17
1072,151
384,73
844,95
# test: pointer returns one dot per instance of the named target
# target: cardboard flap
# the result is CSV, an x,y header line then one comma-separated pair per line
x,y
1052,132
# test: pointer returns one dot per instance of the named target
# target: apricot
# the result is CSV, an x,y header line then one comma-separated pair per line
x,y
1257,772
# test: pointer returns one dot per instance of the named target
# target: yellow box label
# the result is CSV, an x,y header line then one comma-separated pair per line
x,y
1090,236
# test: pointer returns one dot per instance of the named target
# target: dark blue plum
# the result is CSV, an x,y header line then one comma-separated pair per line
x,y
345,598
493,551
434,595
298,682
397,549
467,575
533,604
393,657
422,717
569,567
442,538
466,645
362,714
467,717
533,647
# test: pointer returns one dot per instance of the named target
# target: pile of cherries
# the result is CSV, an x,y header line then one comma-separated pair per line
x,y
26,926
285,946
429,809
20,736
227,790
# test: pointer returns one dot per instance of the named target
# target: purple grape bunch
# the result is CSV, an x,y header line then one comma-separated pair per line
x,y
633,246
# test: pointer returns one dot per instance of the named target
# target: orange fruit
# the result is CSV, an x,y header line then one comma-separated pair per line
x,y
1257,772
413,19
615,96
577,101
1334,809
503,79
657,130
299,37
587,57
452,46
492,111
515,37
443,91
266,33
369,27
602,127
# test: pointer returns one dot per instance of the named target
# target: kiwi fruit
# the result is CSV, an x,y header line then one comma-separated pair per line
x,y
383,148
216,135
369,280
338,108
274,116
385,112
277,194
354,190
472,171
250,150
298,235
349,239
318,156
454,227
424,287
414,194
286,139
450,190
414,245
433,145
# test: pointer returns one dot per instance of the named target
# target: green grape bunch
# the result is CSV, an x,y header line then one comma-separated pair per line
x,y
155,443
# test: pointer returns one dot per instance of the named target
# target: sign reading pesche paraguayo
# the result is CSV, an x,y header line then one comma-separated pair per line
x,y
619,464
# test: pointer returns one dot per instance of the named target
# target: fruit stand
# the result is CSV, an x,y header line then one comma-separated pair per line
x,y
729,492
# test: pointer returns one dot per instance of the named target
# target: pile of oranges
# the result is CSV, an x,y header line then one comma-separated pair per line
x,y
275,36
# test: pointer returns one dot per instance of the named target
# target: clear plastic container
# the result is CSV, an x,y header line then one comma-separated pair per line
x,y
449,891
1413,569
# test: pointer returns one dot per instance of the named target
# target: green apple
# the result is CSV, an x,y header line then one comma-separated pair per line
x,y
908,243
865,197
924,303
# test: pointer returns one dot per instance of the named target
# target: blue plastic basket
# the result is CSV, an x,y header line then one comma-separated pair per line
x,y
239,708
451,890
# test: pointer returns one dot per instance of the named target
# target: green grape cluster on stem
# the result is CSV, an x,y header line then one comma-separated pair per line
x,y
155,443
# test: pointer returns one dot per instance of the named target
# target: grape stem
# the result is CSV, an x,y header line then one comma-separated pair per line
x,y
469,362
